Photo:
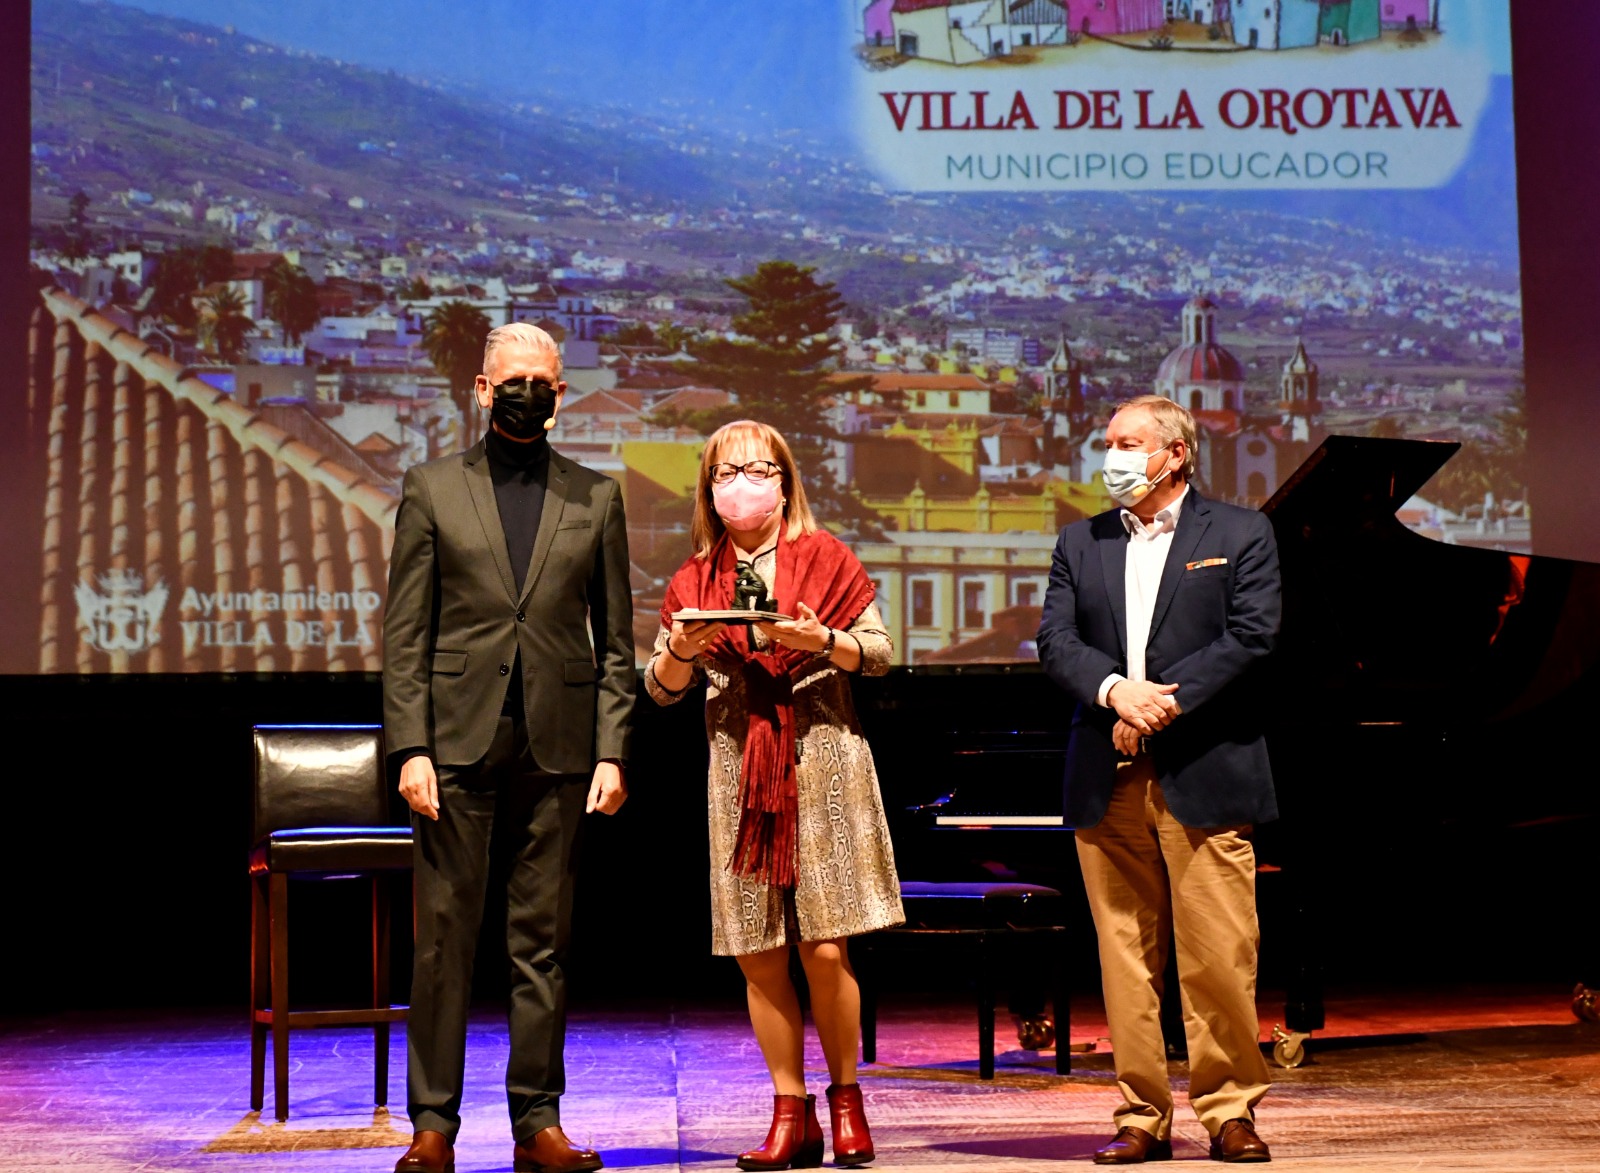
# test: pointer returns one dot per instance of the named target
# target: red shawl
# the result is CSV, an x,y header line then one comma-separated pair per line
x,y
820,571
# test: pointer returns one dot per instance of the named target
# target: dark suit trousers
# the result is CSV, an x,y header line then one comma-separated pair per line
x,y
501,804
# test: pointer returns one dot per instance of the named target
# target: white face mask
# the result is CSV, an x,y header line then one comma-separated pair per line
x,y
1124,475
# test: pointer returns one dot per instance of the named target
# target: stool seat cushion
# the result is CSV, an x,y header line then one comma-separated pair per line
x,y
333,850
979,905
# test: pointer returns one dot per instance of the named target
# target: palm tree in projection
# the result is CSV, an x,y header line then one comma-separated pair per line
x,y
223,325
291,299
453,337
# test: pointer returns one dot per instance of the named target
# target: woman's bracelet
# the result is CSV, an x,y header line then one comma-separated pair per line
x,y
826,650
675,655
650,670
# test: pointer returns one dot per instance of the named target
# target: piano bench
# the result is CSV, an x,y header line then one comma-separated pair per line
x,y
981,915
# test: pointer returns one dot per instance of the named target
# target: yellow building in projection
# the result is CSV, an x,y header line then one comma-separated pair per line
x,y
960,562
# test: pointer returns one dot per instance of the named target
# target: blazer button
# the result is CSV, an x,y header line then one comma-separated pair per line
x,y
505,669
521,616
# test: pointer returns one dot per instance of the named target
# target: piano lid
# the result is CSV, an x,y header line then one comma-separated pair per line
x,y
1383,624
1353,480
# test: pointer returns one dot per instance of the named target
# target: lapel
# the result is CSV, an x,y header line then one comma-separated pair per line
x,y
1193,519
555,500
1113,543
475,465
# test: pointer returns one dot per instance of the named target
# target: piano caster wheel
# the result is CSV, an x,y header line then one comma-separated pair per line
x,y
1288,1047
1036,1032
1585,1003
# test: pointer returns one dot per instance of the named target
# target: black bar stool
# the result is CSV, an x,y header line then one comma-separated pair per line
x,y
321,811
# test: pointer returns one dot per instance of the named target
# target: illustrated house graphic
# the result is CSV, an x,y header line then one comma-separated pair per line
x,y
1277,24
1349,22
1109,18
963,31
877,22
1106,18
1421,14
1297,24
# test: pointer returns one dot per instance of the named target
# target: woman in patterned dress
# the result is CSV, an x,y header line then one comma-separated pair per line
x,y
800,850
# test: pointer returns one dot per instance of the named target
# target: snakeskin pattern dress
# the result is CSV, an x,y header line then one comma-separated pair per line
x,y
846,882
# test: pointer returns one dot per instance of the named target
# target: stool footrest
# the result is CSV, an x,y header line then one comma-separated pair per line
x,y
370,1016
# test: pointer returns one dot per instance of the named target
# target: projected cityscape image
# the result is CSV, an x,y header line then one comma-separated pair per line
x,y
265,267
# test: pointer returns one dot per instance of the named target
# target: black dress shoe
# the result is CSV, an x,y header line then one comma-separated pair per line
x,y
1237,1141
1133,1146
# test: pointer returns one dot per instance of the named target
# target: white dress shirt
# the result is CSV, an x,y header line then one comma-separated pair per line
x,y
1147,557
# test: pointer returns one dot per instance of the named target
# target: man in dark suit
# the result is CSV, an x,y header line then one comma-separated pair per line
x,y
508,724
1157,615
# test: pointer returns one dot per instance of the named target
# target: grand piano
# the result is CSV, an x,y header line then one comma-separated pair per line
x,y
1428,749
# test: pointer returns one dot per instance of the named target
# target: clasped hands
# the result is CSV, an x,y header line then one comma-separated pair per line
x,y
1142,707
419,786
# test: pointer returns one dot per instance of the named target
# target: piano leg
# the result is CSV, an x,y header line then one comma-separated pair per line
x,y
1028,983
985,1007
1061,1000
866,982
1303,1011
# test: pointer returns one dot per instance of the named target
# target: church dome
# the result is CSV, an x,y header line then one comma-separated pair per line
x,y
1200,362
1200,373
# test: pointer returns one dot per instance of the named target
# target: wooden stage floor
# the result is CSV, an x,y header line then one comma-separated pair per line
x,y
1490,1080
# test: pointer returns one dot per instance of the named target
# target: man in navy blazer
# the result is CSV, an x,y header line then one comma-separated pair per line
x,y
1157,616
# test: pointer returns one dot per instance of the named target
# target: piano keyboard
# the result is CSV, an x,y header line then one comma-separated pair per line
x,y
971,820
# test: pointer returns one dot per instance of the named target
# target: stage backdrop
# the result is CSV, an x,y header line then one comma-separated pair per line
x,y
932,240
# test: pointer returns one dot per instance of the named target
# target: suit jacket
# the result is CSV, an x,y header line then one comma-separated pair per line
x,y
455,622
1211,629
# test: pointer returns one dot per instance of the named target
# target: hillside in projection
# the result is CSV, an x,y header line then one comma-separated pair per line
x,y
266,258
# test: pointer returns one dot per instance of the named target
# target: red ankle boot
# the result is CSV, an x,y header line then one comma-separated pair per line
x,y
852,1140
795,1139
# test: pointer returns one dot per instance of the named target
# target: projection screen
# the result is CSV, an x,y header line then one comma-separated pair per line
x,y
266,239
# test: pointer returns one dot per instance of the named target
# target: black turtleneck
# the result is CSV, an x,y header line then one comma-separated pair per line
x,y
519,472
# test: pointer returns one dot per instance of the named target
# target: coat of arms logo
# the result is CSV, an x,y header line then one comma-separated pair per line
x,y
121,616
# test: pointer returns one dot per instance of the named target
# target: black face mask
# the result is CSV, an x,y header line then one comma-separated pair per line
x,y
522,407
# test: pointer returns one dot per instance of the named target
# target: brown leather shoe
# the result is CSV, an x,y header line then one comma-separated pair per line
x,y
1133,1146
551,1152
430,1152
1237,1141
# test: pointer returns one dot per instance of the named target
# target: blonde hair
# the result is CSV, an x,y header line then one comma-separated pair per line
x,y
526,333
706,527
1173,422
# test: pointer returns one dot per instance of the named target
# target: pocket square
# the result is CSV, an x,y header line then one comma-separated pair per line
x,y
1204,562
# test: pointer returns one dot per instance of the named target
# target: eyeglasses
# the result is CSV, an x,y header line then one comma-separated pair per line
x,y
755,471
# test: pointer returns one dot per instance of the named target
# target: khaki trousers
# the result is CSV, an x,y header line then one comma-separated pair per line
x,y
1150,879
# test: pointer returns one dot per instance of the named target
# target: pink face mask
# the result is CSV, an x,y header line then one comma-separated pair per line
x,y
744,505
